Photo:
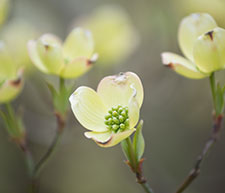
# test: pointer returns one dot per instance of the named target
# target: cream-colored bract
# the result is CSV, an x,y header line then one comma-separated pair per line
x,y
209,50
191,27
91,107
70,59
182,66
202,42
11,88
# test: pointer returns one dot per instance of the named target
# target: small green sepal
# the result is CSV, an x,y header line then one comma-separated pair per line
x,y
14,124
126,150
138,142
60,97
219,98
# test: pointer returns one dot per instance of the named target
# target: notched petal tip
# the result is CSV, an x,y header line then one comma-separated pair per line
x,y
210,34
166,61
115,138
16,83
19,80
104,143
92,60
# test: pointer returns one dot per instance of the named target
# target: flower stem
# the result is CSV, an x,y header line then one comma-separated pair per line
x,y
147,188
46,157
208,145
135,167
213,88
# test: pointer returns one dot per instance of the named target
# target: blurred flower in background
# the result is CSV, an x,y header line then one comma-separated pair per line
x,y
114,34
68,60
14,58
15,36
215,8
4,7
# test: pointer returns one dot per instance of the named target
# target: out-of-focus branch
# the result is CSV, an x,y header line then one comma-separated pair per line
x,y
208,145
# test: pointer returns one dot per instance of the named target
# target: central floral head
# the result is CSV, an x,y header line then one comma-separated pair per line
x,y
112,112
117,119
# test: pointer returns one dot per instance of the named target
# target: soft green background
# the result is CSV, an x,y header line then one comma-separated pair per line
x,y
177,111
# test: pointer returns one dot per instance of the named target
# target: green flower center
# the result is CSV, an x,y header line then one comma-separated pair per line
x,y
117,119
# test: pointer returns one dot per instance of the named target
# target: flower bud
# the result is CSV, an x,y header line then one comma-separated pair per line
x,y
209,51
191,27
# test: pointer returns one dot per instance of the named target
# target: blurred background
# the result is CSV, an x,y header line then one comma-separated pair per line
x,y
176,111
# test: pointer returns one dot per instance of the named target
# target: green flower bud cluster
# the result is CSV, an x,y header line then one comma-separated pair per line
x,y
117,119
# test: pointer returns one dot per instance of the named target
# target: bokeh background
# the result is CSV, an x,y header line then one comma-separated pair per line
x,y
176,111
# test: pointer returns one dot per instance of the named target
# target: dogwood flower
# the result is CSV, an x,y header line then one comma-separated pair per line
x,y
68,60
202,42
112,112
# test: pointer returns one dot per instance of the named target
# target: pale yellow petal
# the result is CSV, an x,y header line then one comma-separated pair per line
x,y
134,110
100,137
79,43
35,57
191,27
89,109
118,89
76,68
209,51
182,66
10,89
50,52
116,138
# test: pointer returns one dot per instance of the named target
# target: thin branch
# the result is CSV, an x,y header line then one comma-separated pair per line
x,y
43,161
208,145
136,167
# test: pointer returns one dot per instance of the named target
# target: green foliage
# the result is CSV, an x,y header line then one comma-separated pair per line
x,y
60,97
134,150
13,123
139,142
219,98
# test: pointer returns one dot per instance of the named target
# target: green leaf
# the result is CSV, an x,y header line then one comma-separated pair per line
x,y
60,98
219,98
138,142
13,123
126,150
